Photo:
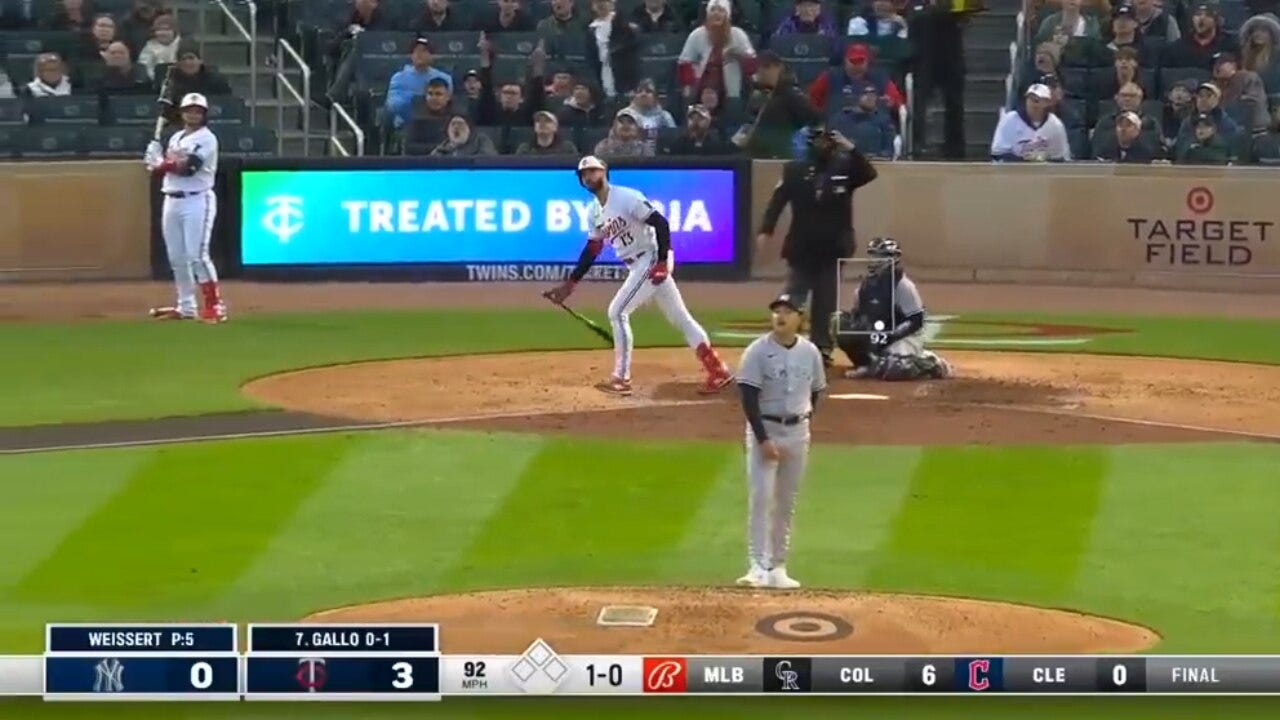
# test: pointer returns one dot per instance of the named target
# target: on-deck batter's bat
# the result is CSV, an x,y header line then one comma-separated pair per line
x,y
591,324
162,101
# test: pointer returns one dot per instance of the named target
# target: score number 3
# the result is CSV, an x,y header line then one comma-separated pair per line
x,y
404,675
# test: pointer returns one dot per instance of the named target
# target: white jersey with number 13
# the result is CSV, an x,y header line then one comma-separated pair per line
x,y
621,222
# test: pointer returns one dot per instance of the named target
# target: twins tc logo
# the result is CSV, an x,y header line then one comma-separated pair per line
x,y
283,217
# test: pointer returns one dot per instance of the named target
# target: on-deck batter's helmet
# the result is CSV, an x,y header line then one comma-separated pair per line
x,y
591,162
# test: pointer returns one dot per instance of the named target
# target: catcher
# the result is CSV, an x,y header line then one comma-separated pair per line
x,y
882,333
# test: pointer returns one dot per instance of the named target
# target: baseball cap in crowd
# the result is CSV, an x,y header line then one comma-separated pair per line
x,y
785,300
472,73
628,112
1206,119
1129,116
1210,87
1049,80
424,42
1207,8
698,109
722,4
545,115
1225,56
1041,91
1123,10
857,52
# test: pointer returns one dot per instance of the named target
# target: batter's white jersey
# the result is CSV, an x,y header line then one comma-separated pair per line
x,y
621,222
203,143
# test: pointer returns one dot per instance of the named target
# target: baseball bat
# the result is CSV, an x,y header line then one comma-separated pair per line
x,y
163,100
591,324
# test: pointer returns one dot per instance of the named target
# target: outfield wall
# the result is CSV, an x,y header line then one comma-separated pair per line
x,y
74,220
1208,228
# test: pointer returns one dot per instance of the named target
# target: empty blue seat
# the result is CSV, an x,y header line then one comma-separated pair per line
x,y
227,110
383,44
661,45
802,46
455,43
34,42
1172,76
48,141
806,71
247,141
72,109
514,44
11,112
132,109
121,141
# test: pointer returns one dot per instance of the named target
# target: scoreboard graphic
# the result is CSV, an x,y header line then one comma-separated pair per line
x,y
403,662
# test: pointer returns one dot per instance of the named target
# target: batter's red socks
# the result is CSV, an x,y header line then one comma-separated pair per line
x,y
711,361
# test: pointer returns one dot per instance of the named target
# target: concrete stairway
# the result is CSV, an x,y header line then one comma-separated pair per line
x,y
226,48
986,41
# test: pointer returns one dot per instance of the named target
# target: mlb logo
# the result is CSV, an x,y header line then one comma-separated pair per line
x,y
666,675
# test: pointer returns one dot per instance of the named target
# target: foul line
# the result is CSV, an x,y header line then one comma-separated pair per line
x,y
1132,421
360,427
997,342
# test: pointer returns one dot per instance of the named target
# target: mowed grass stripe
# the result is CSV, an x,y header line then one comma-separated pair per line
x,y
1187,537
46,496
588,511
189,521
392,517
1002,522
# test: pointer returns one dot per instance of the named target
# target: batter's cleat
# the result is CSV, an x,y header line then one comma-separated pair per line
x,y
214,314
756,577
779,580
715,383
170,313
615,386
859,373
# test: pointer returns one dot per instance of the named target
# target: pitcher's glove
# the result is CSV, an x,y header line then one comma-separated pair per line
x,y
561,292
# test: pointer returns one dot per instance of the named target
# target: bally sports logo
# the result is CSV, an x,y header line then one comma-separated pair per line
x,y
666,675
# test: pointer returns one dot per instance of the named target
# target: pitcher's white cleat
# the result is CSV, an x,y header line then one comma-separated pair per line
x,y
779,579
755,577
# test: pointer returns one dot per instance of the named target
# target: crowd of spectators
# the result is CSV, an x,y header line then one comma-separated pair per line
x,y
732,80
102,55
1148,81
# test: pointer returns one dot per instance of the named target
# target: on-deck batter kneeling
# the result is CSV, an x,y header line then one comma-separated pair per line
x,y
190,207
641,238
781,375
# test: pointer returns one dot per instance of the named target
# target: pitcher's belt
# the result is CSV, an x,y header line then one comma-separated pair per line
x,y
787,420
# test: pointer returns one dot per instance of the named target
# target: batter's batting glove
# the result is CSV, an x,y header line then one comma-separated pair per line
x,y
659,272
561,292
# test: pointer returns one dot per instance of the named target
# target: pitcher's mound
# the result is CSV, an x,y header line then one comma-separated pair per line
x,y
725,621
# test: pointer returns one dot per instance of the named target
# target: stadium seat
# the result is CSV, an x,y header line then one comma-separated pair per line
x,y
806,71
662,71
800,46
514,44
492,132
1078,141
509,69
518,136
661,45
11,112
455,43
115,142
1234,13
380,44
49,141
247,141
9,140
1172,76
571,46
19,71
591,136
227,110
376,72
667,136
1151,81
1079,109
34,42
131,110
68,109
1076,82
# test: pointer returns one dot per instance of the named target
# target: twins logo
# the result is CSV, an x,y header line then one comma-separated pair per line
x,y
283,217
665,675
311,674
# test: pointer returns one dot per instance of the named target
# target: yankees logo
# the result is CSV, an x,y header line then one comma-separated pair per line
x,y
665,675
284,218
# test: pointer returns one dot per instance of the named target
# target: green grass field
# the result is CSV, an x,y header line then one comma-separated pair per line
x,y
1183,538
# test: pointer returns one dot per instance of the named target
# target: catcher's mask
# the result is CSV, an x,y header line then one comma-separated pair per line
x,y
591,162
883,253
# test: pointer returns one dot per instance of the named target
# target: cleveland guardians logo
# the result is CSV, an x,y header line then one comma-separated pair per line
x,y
979,675
665,675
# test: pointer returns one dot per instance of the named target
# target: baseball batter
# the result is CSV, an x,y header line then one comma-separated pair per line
x,y
189,167
781,376
641,237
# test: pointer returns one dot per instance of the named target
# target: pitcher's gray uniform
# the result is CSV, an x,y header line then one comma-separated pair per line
x,y
789,381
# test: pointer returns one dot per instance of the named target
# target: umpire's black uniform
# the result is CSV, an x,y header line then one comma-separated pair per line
x,y
820,191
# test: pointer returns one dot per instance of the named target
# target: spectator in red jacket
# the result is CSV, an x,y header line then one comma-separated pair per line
x,y
1205,40
847,82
